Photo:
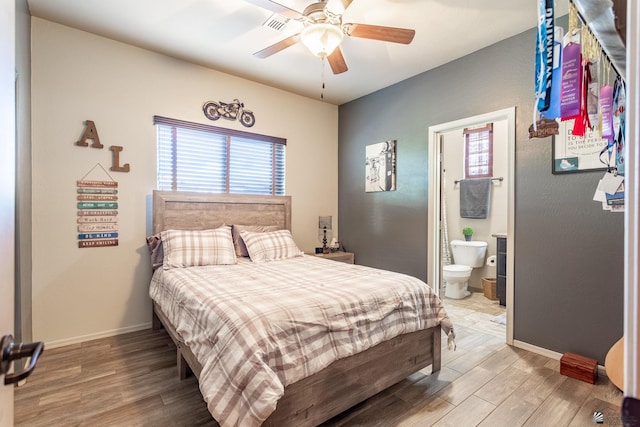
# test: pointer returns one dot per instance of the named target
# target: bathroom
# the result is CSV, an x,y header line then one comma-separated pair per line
x,y
452,156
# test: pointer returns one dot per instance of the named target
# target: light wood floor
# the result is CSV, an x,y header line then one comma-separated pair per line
x,y
131,380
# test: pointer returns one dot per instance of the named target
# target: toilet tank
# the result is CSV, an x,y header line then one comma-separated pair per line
x,y
469,253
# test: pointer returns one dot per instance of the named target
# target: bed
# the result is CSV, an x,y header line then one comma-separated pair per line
x,y
315,394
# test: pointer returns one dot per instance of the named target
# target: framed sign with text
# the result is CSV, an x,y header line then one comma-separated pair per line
x,y
577,153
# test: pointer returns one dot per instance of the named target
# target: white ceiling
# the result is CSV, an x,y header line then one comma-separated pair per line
x,y
223,35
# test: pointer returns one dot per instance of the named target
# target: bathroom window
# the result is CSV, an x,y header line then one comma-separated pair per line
x,y
478,152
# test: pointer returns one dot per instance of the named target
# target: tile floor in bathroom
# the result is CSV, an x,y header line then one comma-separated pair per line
x,y
476,312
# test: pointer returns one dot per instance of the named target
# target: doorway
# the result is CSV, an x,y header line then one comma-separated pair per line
x,y
443,188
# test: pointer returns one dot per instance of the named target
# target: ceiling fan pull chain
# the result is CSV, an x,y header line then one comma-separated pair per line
x,y
322,79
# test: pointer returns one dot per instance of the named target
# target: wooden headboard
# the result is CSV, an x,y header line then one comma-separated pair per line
x,y
181,210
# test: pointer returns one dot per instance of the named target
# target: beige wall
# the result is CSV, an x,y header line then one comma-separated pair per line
x,y
496,222
80,294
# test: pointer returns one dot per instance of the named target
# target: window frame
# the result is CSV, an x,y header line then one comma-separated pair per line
x,y
228,134
488,128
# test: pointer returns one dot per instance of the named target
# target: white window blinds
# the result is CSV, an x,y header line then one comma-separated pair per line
x,y
195,157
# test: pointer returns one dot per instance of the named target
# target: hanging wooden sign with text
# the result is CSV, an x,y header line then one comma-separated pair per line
x,y
97,204
543,129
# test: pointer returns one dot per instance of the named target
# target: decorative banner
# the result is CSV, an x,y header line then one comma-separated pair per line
x,y
97,211
592,94
544,55
571,81
606,101
619,122
556,77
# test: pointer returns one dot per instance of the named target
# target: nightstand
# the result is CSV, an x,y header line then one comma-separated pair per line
x,y
340,256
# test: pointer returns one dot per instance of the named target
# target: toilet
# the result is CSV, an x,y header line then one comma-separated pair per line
x,y
467,256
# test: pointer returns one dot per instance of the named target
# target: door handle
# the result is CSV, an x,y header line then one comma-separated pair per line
x,y
12,351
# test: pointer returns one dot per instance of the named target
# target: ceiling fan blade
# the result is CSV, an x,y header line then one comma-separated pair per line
x,y
376,32
346,3
276,8
277,47
337,62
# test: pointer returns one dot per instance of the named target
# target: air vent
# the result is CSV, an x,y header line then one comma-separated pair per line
x,y
276,22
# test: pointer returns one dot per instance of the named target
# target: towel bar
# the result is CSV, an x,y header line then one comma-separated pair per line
x,y
492,179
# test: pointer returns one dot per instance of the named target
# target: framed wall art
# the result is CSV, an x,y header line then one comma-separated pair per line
x,y
576,153
380,167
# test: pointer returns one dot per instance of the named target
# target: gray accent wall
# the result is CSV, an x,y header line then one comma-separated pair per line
x,y
568,252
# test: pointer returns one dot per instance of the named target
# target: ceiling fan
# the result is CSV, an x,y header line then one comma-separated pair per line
x,y
323,31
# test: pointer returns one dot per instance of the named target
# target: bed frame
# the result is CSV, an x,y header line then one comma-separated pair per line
x,y
339,386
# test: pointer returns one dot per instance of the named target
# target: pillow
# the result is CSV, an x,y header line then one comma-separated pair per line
x,y
271,245
238,243
154,244
190,248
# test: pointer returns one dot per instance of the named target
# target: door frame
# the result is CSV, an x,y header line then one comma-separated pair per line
x,y
7,189
433,200
632,209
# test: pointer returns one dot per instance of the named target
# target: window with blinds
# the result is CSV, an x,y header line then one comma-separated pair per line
x,y
196,157
478,152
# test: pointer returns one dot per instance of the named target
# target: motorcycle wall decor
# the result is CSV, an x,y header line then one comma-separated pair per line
x,y
229,110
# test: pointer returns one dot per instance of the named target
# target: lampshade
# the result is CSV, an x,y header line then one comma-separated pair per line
x,y
321,39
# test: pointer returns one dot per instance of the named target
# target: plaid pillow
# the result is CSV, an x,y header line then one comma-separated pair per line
x,y
270,246
238,243
190,248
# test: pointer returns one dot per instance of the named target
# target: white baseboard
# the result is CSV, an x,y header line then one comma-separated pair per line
x,y
537,350
97,335
548,353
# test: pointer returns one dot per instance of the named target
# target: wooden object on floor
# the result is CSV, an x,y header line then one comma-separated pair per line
x,y
339,386
614,364
489,288
579,367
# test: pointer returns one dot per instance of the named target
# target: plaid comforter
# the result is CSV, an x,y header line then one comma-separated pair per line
x,y
256,328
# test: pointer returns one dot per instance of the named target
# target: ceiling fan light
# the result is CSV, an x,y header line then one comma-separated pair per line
x,y
321,39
